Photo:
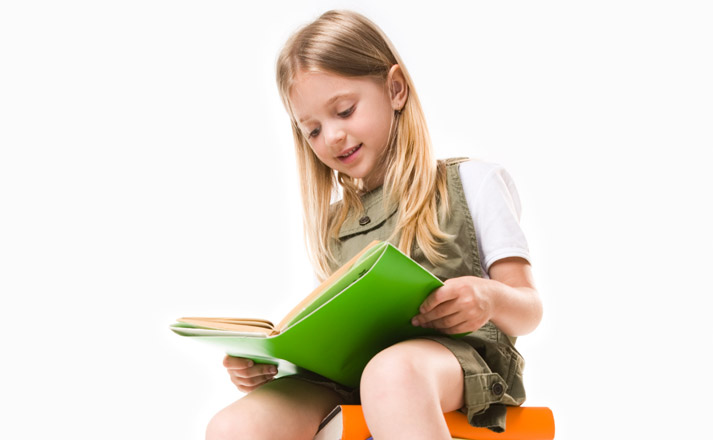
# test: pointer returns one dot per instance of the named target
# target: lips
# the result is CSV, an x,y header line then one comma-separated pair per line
x,y
346,154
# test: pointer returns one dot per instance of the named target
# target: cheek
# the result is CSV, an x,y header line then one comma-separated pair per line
x,y
382,125
382,115
318,150
375,126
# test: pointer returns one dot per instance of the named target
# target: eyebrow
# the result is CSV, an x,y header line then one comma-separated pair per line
x,y
330,101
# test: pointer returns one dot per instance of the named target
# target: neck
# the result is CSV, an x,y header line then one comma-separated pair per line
x,y
374,181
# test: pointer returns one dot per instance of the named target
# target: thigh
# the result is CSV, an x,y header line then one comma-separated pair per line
x,y
283,408
416,366
444,368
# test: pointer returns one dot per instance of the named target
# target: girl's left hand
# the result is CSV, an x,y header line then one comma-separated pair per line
x,y
461,305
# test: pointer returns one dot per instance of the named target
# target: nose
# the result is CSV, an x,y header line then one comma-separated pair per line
x,y
334,134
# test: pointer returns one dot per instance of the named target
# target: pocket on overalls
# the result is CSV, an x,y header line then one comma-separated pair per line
x,y
513,369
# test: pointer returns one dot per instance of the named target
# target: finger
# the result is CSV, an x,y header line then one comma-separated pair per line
x,y
237,362
447,322
469,324
252,381
248,389
444,309
260,370
439,296
254,371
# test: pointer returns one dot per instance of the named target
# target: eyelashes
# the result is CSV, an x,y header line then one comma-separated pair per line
x,y
345,114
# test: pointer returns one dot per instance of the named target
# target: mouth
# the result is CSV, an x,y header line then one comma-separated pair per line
x,y
347,154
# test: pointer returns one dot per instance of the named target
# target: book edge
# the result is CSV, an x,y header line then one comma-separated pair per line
x,y
323,286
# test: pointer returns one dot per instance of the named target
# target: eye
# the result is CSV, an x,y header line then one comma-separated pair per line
x,y
346,112
313,133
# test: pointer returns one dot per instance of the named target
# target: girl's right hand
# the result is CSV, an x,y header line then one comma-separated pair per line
x,y
246,374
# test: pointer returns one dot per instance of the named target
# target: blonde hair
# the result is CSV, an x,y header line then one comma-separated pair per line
x,y
348,44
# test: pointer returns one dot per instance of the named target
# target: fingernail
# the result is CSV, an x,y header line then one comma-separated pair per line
x,y
414,322
251,363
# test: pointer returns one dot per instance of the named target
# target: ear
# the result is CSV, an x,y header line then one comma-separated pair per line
x,y
398,89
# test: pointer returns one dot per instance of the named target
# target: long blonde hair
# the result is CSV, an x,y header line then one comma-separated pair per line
x,y
348,44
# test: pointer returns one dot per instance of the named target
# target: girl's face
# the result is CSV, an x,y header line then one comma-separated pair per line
x,y
346,122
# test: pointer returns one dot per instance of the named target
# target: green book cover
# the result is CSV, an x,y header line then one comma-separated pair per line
x,y
367,308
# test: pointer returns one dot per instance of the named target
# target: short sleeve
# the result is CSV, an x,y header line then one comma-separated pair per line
x,y
494,205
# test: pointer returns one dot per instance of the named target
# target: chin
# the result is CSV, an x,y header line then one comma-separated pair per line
x,y
353,173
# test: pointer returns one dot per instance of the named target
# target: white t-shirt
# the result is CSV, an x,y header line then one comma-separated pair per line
x,y
495,208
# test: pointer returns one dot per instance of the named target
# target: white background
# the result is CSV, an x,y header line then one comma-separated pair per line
x,y
147,173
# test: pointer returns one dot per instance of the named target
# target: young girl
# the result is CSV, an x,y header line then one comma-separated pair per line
x,y
359,127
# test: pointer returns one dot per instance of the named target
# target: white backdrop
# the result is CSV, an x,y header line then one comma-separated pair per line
x,y
146,173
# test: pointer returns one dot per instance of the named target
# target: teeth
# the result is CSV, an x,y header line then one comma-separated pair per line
x,y
350,151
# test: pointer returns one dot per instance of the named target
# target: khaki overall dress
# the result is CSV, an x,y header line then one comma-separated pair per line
x,y
492,367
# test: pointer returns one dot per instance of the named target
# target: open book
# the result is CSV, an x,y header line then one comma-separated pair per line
x,y
364,307
333,285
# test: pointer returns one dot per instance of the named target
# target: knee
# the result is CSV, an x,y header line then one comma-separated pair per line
x,y
391,373
232,423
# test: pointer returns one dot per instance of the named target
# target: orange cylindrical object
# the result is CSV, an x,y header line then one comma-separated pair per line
x,y
522,423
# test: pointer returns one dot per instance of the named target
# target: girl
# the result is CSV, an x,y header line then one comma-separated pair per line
x,y
359,128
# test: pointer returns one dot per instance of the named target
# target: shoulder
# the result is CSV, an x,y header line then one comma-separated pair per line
x,y
478,176
490,193
494,204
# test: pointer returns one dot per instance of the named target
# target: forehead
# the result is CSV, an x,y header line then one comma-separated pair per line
x,y
315,91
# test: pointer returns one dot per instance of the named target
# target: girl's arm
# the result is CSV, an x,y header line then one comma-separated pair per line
x,y
464,304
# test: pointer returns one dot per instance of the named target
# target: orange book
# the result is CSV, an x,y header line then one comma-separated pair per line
x,y
346,422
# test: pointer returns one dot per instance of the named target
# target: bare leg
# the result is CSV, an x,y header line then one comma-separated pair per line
x,y
284,408
406,388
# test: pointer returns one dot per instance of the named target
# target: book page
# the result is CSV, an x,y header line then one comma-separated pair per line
x,y
231,324
340,279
